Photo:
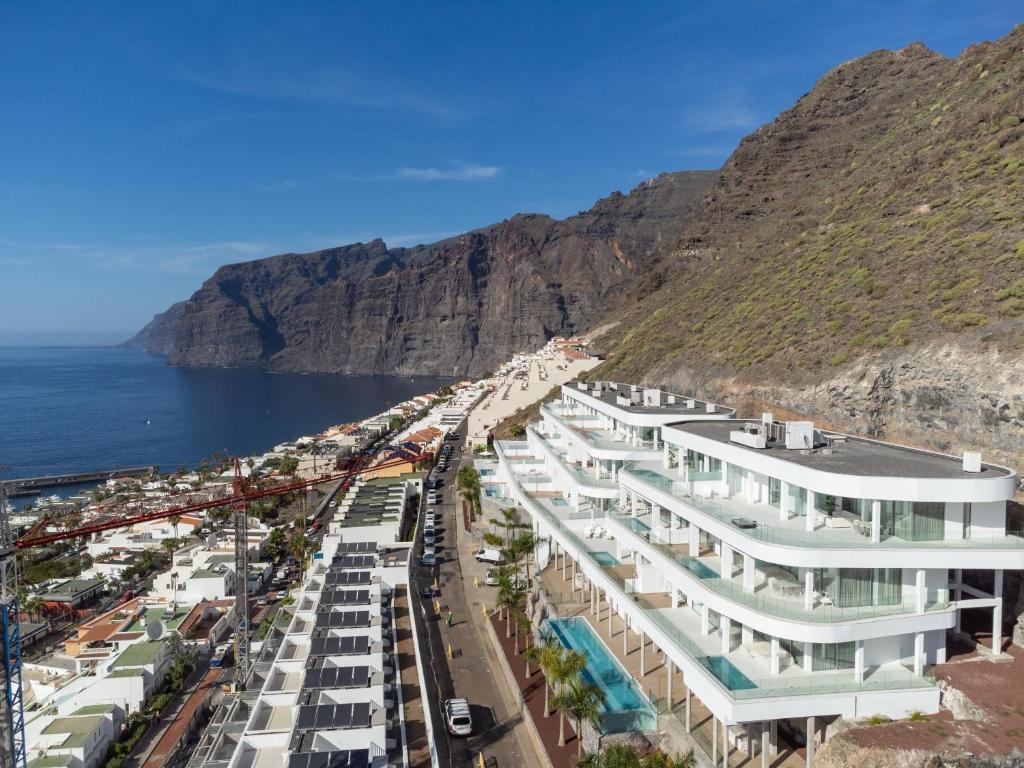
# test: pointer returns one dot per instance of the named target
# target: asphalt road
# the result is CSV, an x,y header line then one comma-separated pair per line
x,y
471,673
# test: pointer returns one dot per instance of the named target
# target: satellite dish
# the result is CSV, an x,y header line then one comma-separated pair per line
x,y
155,630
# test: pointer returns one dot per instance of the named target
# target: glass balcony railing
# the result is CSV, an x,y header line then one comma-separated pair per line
x,y
737,515
761,601
581,475
719,669
596,439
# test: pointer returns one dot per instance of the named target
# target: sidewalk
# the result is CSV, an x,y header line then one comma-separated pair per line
x,y
475,668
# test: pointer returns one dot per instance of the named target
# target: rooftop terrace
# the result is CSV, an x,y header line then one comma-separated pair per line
x,y
847,454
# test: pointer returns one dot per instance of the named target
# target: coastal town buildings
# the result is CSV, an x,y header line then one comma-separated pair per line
x,y
787,575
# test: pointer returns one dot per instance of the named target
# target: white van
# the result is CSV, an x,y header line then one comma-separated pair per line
x,y
489,555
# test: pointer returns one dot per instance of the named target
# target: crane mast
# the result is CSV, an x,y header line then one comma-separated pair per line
x,y
241,516
12,718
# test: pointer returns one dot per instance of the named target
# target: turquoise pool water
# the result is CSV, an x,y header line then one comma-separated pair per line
x,y
490,492
625,707
727,673
604,558
559,503
697,568
486,472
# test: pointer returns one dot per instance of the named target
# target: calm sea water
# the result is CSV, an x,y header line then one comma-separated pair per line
x,y
75,409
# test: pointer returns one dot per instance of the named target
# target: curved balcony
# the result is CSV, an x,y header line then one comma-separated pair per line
x,y
769,613
756,530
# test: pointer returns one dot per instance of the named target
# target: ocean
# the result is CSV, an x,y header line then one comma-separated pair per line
x,y
72,409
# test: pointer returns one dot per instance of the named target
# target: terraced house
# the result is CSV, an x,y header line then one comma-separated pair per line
x,y
783,575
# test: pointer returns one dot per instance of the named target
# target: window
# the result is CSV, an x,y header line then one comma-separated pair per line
x,y
774,491
833,656
967,520
797,500
794,648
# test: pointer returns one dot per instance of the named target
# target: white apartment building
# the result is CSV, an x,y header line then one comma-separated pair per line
x,y
324,689
792,575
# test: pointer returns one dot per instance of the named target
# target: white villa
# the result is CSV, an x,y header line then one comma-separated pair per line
x,y
789,575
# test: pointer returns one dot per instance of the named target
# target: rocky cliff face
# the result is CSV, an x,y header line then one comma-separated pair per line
x,y
158,335
861,258
459,306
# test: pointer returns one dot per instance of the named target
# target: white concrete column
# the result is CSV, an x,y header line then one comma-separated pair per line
x,y
634,503
858,661
694,540
958,592
714,741
765,744
725,745
775,661
921,590
664,455
997,612
611,612
726,566
669,669
688,695
809,589
783,500
675,597
705,620
746,635
625,635
725,630
773,728
643,648
808,656
810,742
876,521
749,573
919,653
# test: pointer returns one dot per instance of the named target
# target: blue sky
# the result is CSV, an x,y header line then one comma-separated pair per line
x,y
144,144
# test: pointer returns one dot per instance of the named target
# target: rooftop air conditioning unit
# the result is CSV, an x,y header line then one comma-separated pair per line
x,y
709,407
799,434
972,461
767,418
749,439
691,403
671,399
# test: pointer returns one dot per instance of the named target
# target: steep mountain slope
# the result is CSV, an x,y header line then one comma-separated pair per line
x,y
158,334
461,306
861,257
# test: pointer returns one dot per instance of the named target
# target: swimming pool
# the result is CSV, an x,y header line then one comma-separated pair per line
x,y
604,558
559,503
625,706
727,673
697,568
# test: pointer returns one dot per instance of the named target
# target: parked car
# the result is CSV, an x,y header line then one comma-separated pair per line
x,y
457,718
430,592
429,558
489,555
428,536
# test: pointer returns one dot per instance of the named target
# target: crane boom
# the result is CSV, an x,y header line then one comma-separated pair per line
x,y
36,540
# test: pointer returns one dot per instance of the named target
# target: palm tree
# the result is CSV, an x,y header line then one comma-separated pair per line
x,y
562,675
509,522
169,546
174,521
520,549
508,598
532,654
582,702
550,656
298,547
618,756
661,760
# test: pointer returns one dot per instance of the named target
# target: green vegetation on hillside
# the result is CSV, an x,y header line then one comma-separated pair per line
x,y
885,209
